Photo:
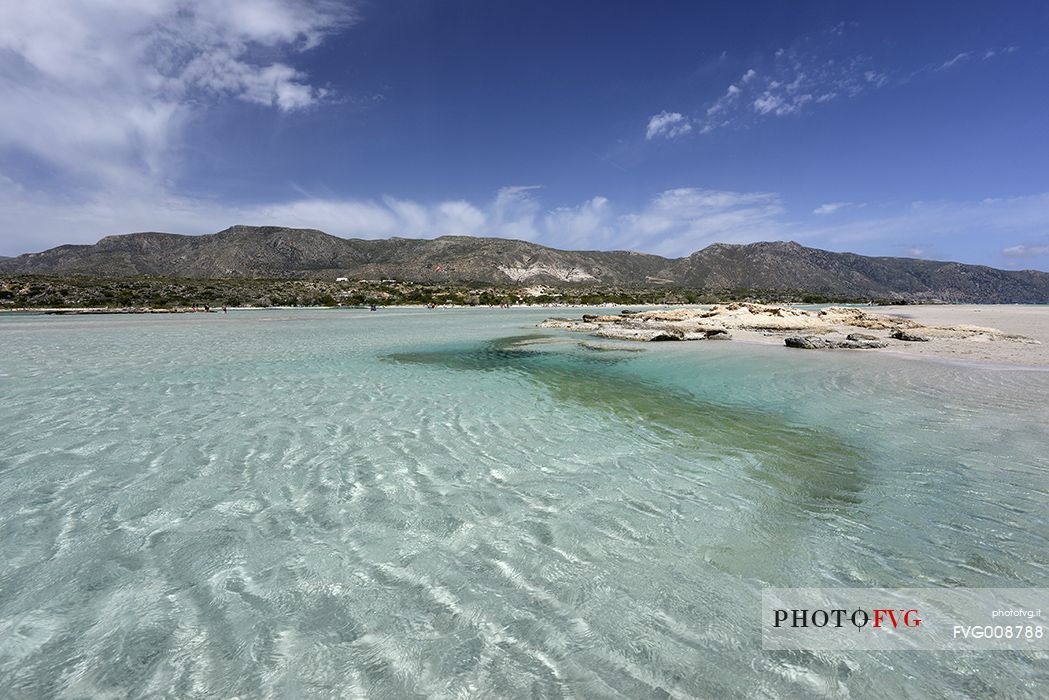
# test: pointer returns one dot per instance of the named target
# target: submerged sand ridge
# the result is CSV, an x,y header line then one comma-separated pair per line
x,y
961,335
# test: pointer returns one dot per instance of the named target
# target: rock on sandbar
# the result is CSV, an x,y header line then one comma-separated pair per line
x,y
815,342
900,334
831,327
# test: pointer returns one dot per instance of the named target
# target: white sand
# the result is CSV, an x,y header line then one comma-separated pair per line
x,y
1027,320
1022,319
1002,335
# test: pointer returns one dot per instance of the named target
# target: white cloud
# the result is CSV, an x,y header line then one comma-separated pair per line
x,y
876,78
588,225
792,80
829,208
969,231
667,125
1026,251
100,91
460,218
352,218
673,222
680,221
726,101
514,211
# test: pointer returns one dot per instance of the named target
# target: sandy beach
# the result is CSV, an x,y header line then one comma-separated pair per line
x,y
1022,341
1004,335
1030,320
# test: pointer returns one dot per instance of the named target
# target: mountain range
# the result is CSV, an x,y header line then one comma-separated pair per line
x,y
275,252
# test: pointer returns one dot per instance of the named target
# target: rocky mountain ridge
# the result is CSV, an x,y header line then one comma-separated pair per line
x,y
286,253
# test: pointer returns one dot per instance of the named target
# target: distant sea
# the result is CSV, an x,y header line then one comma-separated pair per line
x,y
452,503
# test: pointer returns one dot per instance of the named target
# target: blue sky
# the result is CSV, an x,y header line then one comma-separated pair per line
x,y
914,129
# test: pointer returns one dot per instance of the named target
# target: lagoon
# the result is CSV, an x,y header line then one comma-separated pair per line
x,y
453,503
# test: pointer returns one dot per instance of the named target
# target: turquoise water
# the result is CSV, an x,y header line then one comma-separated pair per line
x,y
417,503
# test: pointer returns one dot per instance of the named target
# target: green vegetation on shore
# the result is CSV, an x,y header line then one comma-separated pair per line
x,y
42,291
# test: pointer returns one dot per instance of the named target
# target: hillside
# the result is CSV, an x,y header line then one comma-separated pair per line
x,y
272,252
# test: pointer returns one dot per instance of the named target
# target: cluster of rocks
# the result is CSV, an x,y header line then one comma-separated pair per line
x,y
652,326
853,341
829,328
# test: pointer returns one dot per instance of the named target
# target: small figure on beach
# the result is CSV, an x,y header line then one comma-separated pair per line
x,y
224,309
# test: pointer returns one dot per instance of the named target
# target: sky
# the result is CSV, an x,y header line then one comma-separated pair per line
x,y
889,128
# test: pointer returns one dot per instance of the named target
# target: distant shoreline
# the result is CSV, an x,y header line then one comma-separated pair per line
x,y
161,311
145,311
356,307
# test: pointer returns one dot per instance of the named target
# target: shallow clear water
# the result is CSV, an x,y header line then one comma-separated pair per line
x,y
454,504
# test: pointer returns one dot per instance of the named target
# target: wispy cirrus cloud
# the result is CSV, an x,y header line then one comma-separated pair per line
x,y
955,60
811,72
829,208
837,207
992,52
796,79
963,57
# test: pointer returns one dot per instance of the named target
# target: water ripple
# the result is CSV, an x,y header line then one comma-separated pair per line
x,y
330,504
